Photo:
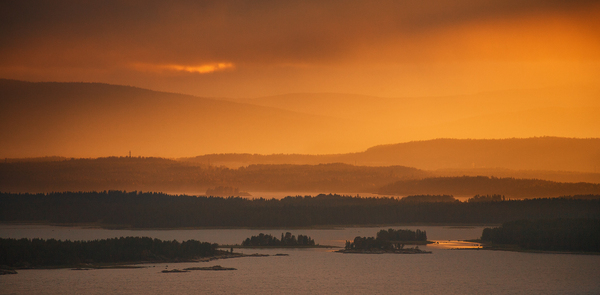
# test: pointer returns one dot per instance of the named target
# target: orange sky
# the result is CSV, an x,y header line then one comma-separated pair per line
x,y
463,51
387,48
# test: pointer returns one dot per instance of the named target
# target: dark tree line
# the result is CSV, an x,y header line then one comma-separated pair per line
x,y
387,240
486,198
429,198
286,240
158,174
561,234
157,210
39,252
471,185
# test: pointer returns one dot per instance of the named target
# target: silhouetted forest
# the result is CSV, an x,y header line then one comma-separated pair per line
x,y
39,252
551,175
157,210
286,240
561,234
429,198
486,198
387,240
584,197
157,174
226,191
472,185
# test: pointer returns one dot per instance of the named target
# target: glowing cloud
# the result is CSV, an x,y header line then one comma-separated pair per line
x,y
200,69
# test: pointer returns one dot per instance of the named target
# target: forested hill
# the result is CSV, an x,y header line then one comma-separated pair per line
x,y
539,153
154,210
157,174
468,185
164,175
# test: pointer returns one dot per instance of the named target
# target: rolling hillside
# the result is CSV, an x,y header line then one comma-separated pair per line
x,y
99,120
93,120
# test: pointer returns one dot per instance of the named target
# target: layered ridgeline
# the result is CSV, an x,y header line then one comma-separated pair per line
x,y
547,158
153,210
93,119
163,175
472,185
521,155
98,120
156,174
499,114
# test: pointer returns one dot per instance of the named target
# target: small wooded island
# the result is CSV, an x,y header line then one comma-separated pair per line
x,y
212,268
388,241
287,240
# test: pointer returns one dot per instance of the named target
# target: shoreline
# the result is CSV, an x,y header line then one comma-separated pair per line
x,y
379,251
138,264
276,247
515,248
318,227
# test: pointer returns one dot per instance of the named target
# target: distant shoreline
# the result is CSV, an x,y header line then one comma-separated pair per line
x,y
275,247
320,227
515,248
138,264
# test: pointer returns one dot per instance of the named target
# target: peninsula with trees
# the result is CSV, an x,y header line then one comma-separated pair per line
x,y
51,253
388,241
574,235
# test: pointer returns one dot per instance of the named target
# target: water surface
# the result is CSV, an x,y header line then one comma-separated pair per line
x,y
315,271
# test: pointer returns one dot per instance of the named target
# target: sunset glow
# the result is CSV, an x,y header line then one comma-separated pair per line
x,y
201,69
352,75
149,141
196,69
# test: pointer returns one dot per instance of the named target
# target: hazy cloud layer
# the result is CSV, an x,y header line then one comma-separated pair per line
x,y
108,40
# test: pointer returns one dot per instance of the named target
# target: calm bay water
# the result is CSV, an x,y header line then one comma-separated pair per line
x,y
315,271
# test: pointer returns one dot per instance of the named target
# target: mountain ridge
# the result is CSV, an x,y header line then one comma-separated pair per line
x,y
68,118
538,153
82,119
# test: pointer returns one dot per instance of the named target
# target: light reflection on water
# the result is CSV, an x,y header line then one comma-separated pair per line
x,y
318,271
450,244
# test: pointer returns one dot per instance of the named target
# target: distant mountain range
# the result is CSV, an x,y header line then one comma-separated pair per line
x,y
543,153
553,111
98,120
83,119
